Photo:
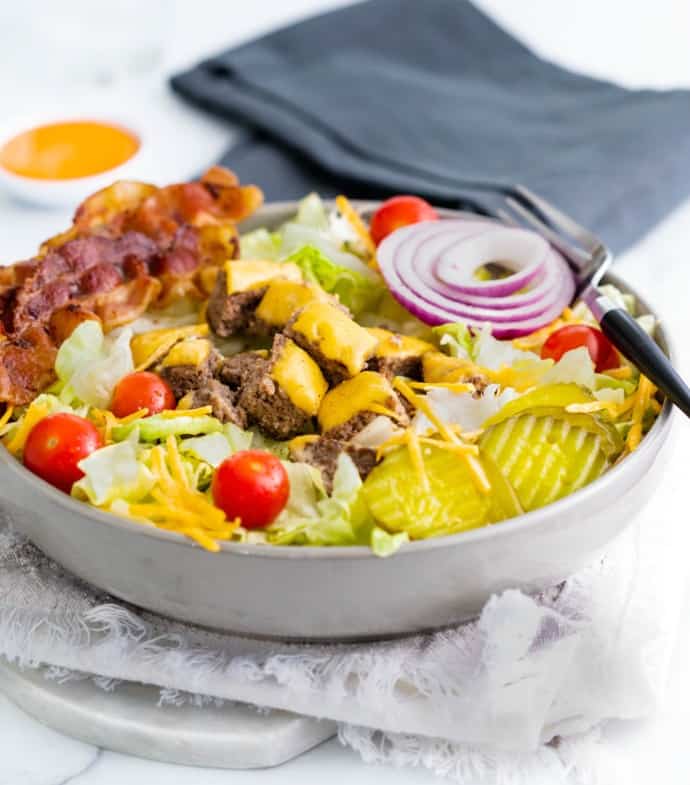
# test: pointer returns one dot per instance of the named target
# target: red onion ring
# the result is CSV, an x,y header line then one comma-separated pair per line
x,y
428,268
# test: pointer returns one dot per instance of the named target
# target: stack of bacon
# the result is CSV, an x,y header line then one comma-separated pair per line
x,y
131,246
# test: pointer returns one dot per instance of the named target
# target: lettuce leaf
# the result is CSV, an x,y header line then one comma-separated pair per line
x,y
312,225
157,428
88,365
357,291
261,244
384,544
463,409
306,489
213,448
456,339
342,518
237,438
117,471
311,211
479,346
576,367
602,380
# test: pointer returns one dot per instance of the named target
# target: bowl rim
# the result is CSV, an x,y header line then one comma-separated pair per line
x,y
649,445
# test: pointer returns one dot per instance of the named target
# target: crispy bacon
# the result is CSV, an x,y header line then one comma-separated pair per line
x,y
131,246
127,302
26,365
65,320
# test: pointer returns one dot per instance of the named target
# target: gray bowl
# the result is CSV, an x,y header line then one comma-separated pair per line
x,y
335,593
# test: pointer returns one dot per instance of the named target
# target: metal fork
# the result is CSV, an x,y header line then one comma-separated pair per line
x,y
589,259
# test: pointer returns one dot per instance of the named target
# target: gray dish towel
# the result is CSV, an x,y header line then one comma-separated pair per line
x,y
434,98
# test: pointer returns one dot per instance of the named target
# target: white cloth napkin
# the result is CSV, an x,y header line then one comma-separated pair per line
x,y
511,698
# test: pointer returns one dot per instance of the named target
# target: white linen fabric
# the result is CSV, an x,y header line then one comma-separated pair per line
x,y
515,697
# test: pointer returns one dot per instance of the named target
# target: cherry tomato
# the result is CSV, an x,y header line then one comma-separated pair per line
x,y
399,211
142,390
572,336
56,444
251,485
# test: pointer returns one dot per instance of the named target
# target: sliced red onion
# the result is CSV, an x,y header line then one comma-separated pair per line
x,y
429,269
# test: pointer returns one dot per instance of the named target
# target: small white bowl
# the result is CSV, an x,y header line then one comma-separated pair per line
x,y
68,192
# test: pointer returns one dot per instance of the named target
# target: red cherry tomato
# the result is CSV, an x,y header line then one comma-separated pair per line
x,y
142,390
56,444
251,485
572,336
399,211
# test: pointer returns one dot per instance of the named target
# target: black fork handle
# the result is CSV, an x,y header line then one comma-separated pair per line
x,y
635,344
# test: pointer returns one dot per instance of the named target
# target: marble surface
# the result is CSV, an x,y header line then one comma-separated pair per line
x,y
636,44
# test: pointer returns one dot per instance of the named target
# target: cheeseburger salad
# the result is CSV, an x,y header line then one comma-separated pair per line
x,y
334,381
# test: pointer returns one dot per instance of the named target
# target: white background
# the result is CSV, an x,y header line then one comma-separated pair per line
x,y
634,43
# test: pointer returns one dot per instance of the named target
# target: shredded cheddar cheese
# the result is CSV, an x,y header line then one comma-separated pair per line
x,y
106,421
177,506
417,458
449,435
353,218
644,393
7,416
623,372
457,387
379,408
538,337
37,411
201,411
423,405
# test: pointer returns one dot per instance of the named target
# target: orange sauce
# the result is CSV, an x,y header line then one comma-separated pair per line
x,y
64,151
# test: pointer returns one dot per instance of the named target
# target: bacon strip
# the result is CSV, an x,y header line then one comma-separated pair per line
x,y
131,246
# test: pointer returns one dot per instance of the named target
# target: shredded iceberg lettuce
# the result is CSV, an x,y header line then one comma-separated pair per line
x,y
384,544
462,408
117,471
574,366
237,438
456,339
88,365
610,395
159,427
358,291
339,519
311,211
482,348
213,448
311,226
261,244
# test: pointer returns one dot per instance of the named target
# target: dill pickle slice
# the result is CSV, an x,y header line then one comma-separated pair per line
x,y
504,501
551,395
453,503
547,453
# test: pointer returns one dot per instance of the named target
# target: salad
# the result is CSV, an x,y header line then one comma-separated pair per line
x,y
328,382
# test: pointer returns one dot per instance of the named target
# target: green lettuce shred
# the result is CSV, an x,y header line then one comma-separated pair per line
x,y
356,291
158,428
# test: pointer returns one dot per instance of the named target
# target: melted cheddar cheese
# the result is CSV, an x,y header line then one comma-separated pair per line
x,y
151,346
335,335
368,391
190,352
396,345
283,298
242,275
439,367
299,377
